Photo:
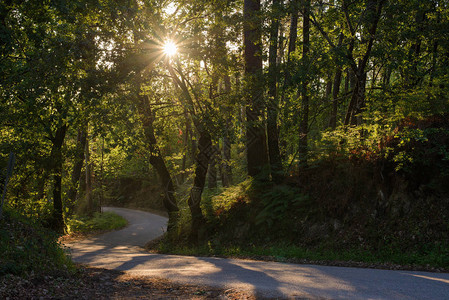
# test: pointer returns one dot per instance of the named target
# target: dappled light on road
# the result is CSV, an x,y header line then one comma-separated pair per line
x,y
122,250
434,277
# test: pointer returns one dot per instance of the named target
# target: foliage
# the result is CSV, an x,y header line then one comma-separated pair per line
x,y
26,247
97,69
226,198
364,206
434,258
276,202
100,221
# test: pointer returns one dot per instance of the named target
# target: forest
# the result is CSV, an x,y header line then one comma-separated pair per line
x,y
320,123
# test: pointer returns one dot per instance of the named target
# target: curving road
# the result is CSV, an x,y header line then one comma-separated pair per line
x,y
121,250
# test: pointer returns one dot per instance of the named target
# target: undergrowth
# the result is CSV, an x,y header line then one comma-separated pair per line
x,y
435,259
99,222
386,202
27,247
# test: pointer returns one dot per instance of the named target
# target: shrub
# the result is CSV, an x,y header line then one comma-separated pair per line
x,y
26,246
100,221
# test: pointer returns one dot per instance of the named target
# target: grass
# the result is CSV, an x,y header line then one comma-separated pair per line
x,y
436,259
99,222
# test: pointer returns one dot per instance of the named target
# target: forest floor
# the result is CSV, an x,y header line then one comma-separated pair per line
x,y
96,283
84,282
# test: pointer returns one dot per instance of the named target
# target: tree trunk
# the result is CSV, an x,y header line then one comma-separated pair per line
x,y
336,90
226,178
57,163
347,80
76,172
328,87
257,156
359,99
158,163
88,177
212,171
335,93
273,100
304,122
226,174
293,35
204,154
357,103
187,146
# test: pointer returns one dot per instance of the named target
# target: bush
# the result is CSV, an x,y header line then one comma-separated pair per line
x,y
100,221
26,246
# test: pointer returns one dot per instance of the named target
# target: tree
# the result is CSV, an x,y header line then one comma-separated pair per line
x,y
273,100
256,147
304,90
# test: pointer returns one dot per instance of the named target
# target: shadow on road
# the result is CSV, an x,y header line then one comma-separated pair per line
x,y
264,279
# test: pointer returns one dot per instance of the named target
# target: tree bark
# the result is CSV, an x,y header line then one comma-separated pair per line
x,y
76,172
304,122
158,163
204,154
57,163
188,147
212,171
336,91
226,174
88,177
292,37
226,178
357,103
257,156
273,100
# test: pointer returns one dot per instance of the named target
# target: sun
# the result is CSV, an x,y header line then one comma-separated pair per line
x,y
170,48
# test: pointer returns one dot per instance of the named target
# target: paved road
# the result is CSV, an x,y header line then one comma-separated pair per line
x,y
121,250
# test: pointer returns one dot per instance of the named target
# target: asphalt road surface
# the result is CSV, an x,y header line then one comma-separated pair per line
x,y
122,250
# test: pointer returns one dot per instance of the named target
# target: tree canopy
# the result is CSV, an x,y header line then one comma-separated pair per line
x,y
90,92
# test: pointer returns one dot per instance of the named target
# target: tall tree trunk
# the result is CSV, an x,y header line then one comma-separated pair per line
x,y
336,91
76,172
88,177
186,142
359,99
101,178
273,100
257,156
226,174
226,178
293,35
204,154
347,80
304,122
158,162
212,170
57,163
328,87
357,103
